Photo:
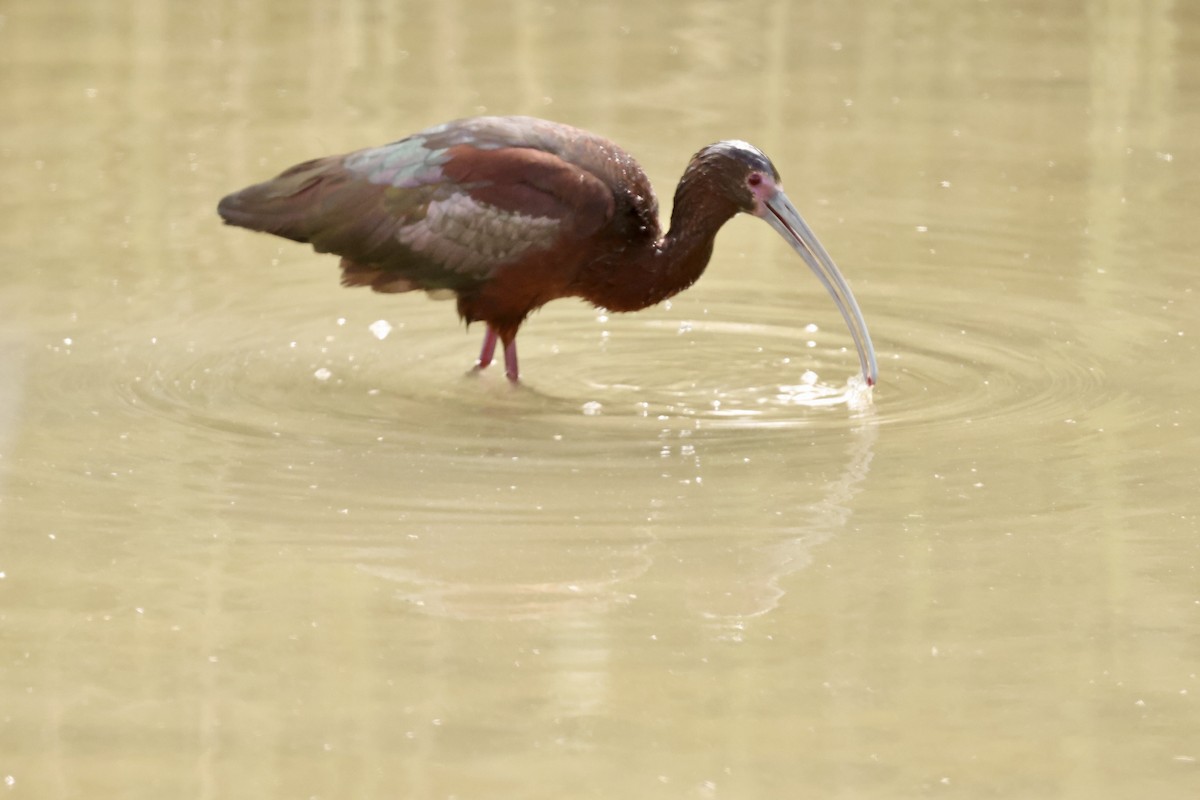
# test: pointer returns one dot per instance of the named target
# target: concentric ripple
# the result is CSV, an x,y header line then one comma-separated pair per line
x,y
740,364
982,369
336,379
277,377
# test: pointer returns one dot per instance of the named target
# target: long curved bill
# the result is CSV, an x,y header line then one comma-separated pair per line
x,y
781,215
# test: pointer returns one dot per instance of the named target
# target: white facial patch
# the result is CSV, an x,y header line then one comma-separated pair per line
x,y
465,235
738,145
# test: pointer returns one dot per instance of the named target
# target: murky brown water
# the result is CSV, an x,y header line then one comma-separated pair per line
x,y
250,549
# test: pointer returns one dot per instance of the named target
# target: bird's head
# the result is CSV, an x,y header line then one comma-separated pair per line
x,y
742,175
737,170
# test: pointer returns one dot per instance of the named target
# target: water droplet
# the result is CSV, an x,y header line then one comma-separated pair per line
x,y
381,328
591,408
322,374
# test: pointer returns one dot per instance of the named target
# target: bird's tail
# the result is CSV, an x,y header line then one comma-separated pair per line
x,y
282,206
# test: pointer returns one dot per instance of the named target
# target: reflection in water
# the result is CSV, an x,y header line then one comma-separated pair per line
x,y
542,598
755,584
742,575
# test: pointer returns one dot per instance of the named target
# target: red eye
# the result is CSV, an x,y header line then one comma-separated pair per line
x,y
755,179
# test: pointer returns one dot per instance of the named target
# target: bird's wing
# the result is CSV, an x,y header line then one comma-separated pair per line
x,y
427,212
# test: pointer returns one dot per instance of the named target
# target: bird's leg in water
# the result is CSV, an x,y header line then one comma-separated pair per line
x,y
489,348
510,360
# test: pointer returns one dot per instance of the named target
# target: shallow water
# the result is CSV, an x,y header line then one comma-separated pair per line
x,y
252,547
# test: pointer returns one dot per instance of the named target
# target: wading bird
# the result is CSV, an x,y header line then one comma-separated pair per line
x,y
509,213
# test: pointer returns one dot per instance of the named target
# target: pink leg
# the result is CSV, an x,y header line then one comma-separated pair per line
x,y
489,348
510,361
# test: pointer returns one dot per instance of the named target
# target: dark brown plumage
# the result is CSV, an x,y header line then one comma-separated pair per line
x,y
509,213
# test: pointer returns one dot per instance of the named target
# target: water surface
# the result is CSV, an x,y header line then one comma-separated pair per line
x,y
252,547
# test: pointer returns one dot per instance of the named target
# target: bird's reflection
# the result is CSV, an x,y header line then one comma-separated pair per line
x,y
757,584
606,586
728,579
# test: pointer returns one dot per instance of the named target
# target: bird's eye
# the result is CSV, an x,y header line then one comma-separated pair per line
x,y
754,179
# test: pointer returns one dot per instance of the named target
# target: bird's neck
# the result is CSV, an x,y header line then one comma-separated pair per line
x,y
640,277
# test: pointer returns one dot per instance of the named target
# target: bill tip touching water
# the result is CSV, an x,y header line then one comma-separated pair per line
x,y
509,213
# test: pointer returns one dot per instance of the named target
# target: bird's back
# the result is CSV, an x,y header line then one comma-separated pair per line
x,y
446,207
